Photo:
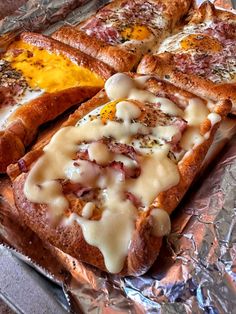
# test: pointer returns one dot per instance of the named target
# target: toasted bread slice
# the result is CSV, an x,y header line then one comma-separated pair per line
x,y
40,79
201,56
103,187
123,31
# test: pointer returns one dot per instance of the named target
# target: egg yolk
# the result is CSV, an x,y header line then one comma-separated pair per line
x,y
201,42
49,71
136,32
108,111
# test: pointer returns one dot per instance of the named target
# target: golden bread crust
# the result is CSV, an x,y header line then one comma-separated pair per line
x,y
144,246
207,11
54,46
25,120
164,66
118,56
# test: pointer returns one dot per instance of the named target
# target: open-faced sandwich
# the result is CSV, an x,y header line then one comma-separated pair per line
x,y
123,31
201,57
103,187
39,79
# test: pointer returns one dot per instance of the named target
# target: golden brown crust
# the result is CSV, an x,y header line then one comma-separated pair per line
x,y
207,11
144,246
119,57
11,149
24,122
163,64
164,67
82,59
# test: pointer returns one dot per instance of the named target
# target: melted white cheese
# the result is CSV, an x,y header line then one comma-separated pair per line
x,y
99,153
121,86
118,86
158,167
160,218
113,232
87,211
214,118
127,111
196,112
190,138
166,132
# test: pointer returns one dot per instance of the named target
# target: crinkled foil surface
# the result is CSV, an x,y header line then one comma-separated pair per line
x,y
196,269
38,15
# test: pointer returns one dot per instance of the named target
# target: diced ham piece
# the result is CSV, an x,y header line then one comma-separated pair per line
x,y
123,149
96,27
127,172
76,188
136,201
22,165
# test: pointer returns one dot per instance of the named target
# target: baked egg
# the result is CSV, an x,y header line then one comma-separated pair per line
x,y
201,42
136,32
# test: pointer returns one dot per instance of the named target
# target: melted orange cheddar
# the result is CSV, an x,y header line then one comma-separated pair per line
x,y
136,32
201,42
49,71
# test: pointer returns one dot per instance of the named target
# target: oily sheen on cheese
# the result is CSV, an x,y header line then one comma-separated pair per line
x,y
40,71
112,233
49,71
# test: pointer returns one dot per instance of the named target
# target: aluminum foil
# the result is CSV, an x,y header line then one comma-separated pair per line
x,y
35,15
196,269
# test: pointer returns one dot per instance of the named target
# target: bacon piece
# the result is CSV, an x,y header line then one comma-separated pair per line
x,y
118,166
75,188
180,123
22,165
122,149
7,96
135,200
222,30
81,192
83,155
127,172
97,28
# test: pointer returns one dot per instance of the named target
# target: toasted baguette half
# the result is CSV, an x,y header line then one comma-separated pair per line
x,y
128,242
120,33
199,57
40,79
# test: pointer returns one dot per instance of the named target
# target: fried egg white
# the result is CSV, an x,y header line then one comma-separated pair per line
x,y
6,111
188,40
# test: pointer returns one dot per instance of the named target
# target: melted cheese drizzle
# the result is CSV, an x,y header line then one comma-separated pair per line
x,y
49,71
113,232
214,118
196,112
159,215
